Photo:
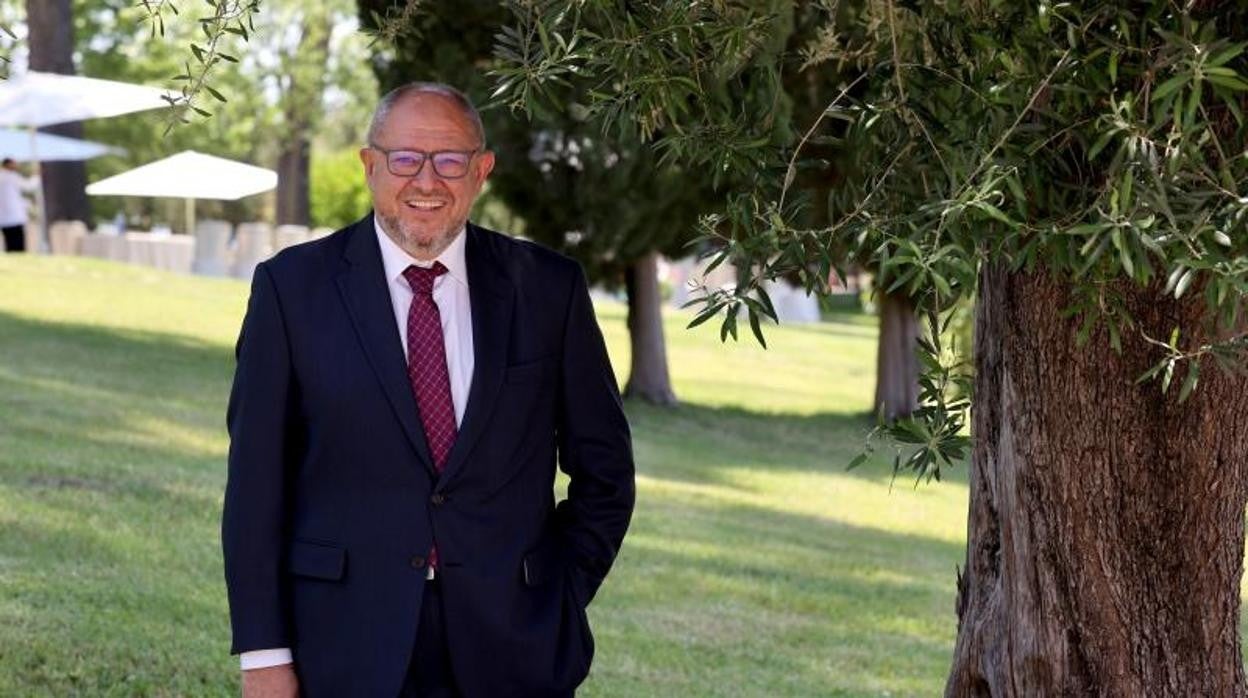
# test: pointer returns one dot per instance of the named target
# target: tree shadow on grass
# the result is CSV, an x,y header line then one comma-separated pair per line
x,y
116,359
72,389
697,440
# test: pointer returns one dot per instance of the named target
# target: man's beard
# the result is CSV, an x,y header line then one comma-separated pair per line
x,y
413,242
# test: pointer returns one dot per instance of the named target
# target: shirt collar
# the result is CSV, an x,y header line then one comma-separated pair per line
x,y
395,260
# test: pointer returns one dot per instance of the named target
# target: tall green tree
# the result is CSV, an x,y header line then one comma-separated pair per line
x,y
825,165
305,61
1077,168
302,80
614,207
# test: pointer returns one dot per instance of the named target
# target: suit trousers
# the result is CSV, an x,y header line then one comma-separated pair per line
x,y
14,238
429,673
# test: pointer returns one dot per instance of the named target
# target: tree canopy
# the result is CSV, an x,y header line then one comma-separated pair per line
x,y
1101,142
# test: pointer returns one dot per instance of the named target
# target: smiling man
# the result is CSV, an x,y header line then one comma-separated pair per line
x,y
404,391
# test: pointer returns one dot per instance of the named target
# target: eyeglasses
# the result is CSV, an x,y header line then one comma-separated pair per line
x,y
447,164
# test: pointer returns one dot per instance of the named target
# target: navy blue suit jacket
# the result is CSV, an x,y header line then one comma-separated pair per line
x,y
332,502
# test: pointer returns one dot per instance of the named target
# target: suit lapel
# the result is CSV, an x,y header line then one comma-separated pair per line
x,y
363,289
492,297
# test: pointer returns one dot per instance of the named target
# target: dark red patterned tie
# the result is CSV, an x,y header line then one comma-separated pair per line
x,y
426,368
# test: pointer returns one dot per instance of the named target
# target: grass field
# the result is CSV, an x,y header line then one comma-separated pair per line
x,y
756,565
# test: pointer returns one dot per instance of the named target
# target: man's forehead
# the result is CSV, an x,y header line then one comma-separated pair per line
x,y
427,115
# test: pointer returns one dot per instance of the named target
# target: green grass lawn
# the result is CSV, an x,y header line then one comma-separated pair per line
x,y
756,565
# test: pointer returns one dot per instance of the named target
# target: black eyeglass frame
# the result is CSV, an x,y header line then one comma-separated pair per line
x,y
426,156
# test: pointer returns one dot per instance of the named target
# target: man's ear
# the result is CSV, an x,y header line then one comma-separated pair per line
x,y
366,159
485,165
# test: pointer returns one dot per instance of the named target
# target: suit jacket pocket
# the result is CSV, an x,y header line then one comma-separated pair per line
x,y
543,563
529,372
317,560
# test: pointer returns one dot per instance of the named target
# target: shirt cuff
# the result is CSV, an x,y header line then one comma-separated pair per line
x,y
261,659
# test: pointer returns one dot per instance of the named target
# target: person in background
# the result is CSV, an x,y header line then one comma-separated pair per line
x,y
13,205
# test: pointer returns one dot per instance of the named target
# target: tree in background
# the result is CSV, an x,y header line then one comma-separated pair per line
x,y
314,70
301,78
590,191
51,35
614,207
1077,168
812,81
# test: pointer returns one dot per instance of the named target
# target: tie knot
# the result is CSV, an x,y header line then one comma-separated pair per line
x,y
421,278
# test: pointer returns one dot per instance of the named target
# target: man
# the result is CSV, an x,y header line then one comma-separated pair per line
x,y
13,205
403,391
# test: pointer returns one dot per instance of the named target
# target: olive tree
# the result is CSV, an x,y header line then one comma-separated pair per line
x,y
1079,170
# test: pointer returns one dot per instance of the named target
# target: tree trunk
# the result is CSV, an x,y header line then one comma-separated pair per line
x,y
304,79
896,366
648,378
51,40
293,182
1106,528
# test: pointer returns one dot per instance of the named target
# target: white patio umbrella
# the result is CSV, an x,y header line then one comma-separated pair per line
x,y
47,147
189,175
36,99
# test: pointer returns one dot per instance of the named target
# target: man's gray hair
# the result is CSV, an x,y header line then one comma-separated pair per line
x,y
396,95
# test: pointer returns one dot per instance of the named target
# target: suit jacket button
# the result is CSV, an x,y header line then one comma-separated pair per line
x,y
437,499
417,562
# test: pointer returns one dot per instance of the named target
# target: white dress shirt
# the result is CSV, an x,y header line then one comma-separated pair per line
x,y
450,294
12,203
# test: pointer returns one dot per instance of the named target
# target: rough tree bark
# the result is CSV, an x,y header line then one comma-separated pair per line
x,y
648,377
1106,528
896,367
51,26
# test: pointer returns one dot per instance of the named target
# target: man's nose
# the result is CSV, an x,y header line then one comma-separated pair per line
x,y
426,179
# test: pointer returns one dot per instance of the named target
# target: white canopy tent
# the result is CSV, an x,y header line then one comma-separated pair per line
x,y
36,99
46,147
189,175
